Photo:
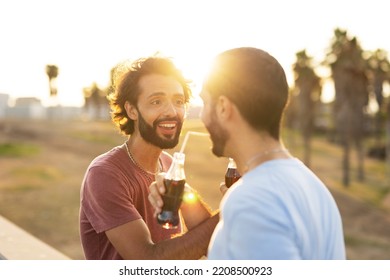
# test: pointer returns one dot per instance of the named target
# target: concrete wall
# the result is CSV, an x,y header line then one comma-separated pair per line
x,y
17,244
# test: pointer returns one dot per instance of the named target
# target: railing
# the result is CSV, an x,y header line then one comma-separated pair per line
x,y
17,244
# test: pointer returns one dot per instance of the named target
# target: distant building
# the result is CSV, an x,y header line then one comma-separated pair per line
x,y
3,104
64,113
27,101
27,107
32,108
194,111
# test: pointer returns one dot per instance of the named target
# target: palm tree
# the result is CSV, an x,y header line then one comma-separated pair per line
x,y
388,136
308,86
379,69
52,73
379,66
95,99
351,97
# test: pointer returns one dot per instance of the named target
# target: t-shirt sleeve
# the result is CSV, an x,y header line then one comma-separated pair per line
x,y
107,201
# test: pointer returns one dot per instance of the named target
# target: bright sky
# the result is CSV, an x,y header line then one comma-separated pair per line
x,y
85,39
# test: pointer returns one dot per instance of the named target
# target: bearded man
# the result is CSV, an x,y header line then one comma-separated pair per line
x,y
116,219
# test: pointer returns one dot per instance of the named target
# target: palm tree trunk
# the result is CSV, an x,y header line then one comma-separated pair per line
x,y
346,162
306,148
388,140
360,155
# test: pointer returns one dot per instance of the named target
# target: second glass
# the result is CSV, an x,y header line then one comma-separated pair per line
x,y
232,175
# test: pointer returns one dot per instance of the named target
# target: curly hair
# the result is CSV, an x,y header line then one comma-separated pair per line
x,y
125,86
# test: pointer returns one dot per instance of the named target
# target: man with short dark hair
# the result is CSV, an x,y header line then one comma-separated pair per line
x,y
279,209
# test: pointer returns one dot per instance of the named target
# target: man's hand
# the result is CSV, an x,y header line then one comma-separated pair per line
x,y
156,190
223,188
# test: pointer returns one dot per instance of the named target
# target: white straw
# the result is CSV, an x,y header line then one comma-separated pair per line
x,y
188,135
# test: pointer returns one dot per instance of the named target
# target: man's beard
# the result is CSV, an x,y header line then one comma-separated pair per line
x,y
218,136
150,135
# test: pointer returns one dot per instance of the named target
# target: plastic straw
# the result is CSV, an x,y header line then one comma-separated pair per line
x,y
188,135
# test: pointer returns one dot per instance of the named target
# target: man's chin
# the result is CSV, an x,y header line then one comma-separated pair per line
x,y
217,151
168,145
168,142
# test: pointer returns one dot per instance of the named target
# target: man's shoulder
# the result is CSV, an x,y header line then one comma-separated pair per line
x,y
108,158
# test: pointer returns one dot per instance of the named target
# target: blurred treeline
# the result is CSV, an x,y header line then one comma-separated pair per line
x,y
360,108
358,77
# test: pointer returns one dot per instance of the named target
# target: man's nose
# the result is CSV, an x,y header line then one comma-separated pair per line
x,y
170,109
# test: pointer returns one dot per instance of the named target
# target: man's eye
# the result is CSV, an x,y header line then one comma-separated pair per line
x,y
156,102
180,102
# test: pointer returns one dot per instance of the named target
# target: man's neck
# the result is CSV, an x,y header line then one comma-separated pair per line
x,y
145,154
258,148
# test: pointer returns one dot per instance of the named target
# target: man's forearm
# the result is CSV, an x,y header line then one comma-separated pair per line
x,y
194,210
189,246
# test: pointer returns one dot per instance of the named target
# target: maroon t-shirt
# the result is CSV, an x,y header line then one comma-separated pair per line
x,y
114,192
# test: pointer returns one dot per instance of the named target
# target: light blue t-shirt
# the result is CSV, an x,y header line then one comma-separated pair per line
x,y
279,210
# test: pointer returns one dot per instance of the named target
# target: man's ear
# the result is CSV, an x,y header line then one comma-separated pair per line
x,y
131,111
224,108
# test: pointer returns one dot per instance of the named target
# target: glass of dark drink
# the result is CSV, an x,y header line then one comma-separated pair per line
x,y
174,182
232,175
